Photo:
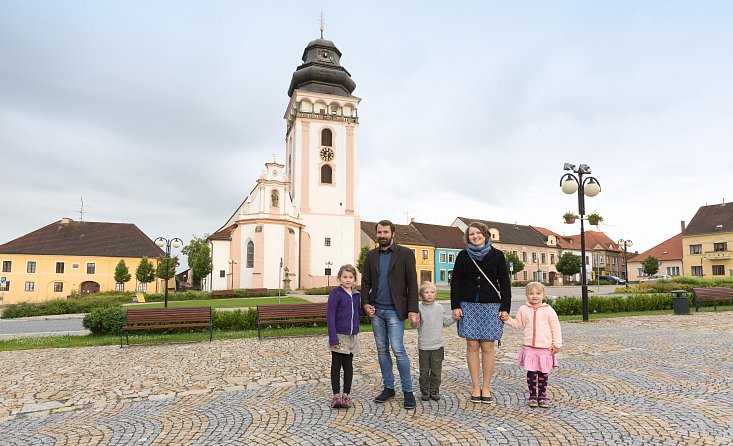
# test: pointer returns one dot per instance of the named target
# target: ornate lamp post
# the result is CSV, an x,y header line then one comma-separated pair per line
x,y
161,242
584,186
328,274
625,244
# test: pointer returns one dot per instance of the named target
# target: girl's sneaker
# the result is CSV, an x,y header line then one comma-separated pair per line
x,y
345,401
544,403
336,402
533,402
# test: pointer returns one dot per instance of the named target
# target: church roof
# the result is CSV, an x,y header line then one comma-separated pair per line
x,y
84,238
321,71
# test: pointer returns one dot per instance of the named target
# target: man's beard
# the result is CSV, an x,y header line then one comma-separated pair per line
x,y
384,242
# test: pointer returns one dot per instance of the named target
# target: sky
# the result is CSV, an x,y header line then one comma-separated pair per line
x,y
163,113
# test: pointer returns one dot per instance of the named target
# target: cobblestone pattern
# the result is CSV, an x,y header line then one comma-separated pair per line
x,y
653,380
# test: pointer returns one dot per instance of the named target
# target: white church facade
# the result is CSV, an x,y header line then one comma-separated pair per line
x,y
300,222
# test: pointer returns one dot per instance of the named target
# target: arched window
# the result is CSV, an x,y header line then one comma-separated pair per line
x,y
326,137
250,254
326,174
275,197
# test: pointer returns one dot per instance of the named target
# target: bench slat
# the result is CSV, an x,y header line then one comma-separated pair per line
x,y
711,294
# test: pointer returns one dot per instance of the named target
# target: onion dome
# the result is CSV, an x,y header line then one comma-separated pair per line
x,y
321,71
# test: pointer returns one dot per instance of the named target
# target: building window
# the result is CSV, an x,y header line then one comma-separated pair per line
x,y
534,257
552,259
91,267
697,271
74,266
450,274
640,272
524,256
425,254
326,174
59,267
544,258
250,254
142,287
275,198
695,249
524,275
222,273
7,266
718,270
442,257
119,287
327,241
30,286
31,268
673,270
326,137
720,246
5,286
452,258
58,287
442,275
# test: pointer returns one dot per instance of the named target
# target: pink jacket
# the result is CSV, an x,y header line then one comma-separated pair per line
x,y
541,326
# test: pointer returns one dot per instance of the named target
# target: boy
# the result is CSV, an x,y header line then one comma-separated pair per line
x,y
433,318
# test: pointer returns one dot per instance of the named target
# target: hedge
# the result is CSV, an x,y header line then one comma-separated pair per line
x,y
570,305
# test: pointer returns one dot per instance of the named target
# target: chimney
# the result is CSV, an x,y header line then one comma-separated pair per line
x,y
682,226
412,220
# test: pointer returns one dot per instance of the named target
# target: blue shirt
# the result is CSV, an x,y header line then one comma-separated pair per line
x,y
383,299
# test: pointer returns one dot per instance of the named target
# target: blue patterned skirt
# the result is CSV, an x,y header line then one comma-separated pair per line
x,y
480,322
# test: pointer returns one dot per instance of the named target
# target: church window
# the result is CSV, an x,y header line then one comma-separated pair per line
x,y
275,197
326,174
222,273
327,242
250,254
326,137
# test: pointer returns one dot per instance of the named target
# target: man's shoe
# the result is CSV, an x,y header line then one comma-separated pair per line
x,y
435,396
409,400
425,396
386,395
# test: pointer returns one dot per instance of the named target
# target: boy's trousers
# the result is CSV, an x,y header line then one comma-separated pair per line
x,y
431,366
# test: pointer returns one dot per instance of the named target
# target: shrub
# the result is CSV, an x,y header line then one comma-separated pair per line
x,y
569,305
105,320
235,320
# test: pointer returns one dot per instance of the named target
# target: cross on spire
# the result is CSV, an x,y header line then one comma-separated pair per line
x,y
322,20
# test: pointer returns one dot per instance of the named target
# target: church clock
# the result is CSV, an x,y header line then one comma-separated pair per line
x,y
326,154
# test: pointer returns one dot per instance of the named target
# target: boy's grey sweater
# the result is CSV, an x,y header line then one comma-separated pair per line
x,y
433,318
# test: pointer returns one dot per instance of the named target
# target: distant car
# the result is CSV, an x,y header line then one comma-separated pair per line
x,y
612,279
655,278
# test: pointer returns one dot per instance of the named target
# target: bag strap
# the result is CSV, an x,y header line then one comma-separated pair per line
x,y
486,277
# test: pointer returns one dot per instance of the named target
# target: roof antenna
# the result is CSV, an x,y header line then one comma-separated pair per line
x,y
81,208
322,18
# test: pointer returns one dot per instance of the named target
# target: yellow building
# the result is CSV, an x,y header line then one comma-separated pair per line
x,y
707,242
409,237
69,256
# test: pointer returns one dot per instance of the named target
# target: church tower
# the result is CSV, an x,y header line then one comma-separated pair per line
x,y
322,155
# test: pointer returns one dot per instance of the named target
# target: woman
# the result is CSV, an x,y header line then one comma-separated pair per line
x,y
480,293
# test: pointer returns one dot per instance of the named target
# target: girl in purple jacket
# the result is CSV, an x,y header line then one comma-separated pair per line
x,y
342,317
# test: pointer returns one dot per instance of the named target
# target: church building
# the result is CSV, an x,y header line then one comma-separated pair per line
x,y
300,222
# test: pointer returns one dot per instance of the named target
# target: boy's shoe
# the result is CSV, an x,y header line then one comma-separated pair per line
x,y
435,396
336,402
425,396
386,395
345,401
544,403
409,401
533,402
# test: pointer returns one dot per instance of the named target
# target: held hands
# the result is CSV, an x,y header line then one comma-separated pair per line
x,y
370,310
504,316
457,314
414,319
554,349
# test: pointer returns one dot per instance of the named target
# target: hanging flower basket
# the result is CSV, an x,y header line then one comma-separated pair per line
x,y
569,218
595,219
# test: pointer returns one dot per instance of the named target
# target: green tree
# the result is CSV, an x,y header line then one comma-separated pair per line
x,y
650,265
516,264
362,258
199,258
145,272
166,267
568,264
122,272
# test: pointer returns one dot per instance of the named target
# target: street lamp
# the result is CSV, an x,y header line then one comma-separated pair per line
x,y
625,244
161,242
232,262
328,274
590,187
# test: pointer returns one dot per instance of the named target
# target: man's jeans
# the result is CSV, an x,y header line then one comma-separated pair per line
x,y
390,330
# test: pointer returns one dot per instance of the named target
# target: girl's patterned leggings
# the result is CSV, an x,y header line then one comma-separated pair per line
x,y
537,383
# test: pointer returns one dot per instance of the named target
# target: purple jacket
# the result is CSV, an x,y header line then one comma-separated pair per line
x,y
342,314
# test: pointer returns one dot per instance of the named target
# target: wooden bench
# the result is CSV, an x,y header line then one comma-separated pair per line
x,y
281,314
220,293
711,294
163,318
251,291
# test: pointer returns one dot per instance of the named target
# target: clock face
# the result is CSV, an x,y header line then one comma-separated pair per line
x,y
326,154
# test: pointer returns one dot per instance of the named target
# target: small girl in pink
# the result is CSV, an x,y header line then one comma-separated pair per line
x,y
542,339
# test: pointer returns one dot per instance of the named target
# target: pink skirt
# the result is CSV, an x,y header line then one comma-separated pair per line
x,y
537,359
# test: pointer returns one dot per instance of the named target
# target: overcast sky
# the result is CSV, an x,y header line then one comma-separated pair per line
x,y
163,113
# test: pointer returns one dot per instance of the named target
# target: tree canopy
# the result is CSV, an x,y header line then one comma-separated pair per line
x,y
199,258
513,264
569,264
122,272
650,265
145,272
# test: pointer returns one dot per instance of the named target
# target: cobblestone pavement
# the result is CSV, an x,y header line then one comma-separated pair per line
x,y
652,380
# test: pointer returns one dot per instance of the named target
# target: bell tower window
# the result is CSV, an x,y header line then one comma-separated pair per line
x,y
326,174
326,138
275,198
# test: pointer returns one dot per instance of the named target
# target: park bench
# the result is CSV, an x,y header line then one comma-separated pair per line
x,y
281,314
220,293
230,293
711,294
165,318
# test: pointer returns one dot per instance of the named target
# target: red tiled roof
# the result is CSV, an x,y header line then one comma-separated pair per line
x,y
85,238
224,234
441,236
670,249
592,240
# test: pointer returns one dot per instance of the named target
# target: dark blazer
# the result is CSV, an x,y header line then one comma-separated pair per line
x,y
402,279
467,280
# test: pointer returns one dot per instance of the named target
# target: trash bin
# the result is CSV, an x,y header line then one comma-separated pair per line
x,y
680,303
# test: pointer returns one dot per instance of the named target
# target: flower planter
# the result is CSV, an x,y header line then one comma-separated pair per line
x,y
569,220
